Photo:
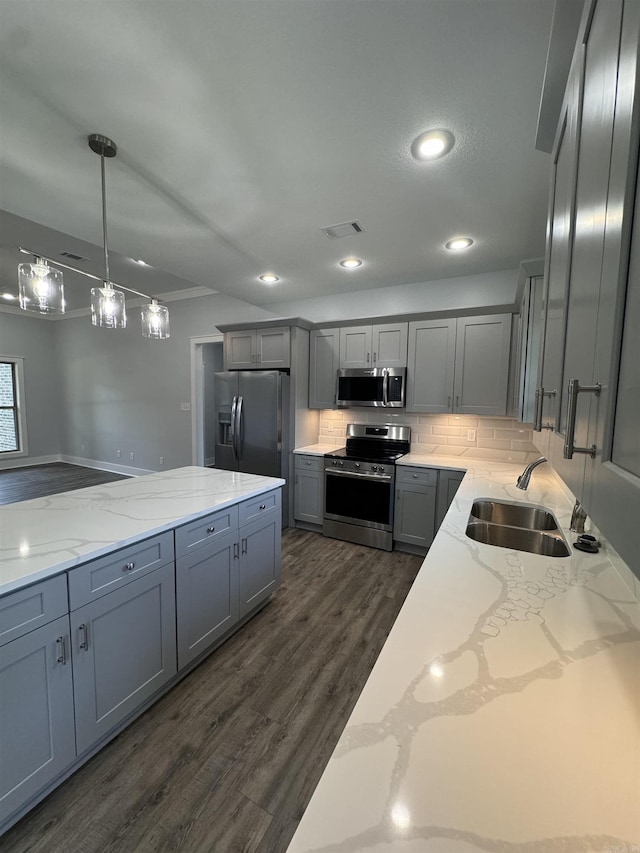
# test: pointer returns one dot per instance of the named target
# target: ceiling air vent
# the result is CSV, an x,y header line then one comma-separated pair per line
x,y
342,229
73,256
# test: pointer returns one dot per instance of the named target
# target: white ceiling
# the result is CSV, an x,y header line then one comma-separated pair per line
x,y
245,126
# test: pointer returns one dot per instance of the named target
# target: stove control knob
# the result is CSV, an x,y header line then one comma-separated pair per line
x,y
381,469
335,462
374,467
357,464
341,464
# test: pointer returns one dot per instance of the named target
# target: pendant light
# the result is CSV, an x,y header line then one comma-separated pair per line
x,y
107,305
155,321
40,287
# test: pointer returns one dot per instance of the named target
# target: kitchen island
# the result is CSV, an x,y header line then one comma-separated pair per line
x,y
503,712
108,596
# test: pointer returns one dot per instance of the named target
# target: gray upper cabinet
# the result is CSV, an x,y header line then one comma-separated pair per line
x,y
262,349
592,266
459,366
324,351
382,345
124,650
37,739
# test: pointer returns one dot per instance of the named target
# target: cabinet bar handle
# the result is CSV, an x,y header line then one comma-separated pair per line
x,y
244,546
367,358
211,530
374,357
62,656
572,405
457,401
449,403
128,567
540,394
236,550
84,637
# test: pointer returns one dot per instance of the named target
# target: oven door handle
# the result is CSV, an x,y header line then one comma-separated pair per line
x,y
372,477
385,387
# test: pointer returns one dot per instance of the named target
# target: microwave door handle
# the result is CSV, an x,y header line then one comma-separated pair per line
x,y
385,387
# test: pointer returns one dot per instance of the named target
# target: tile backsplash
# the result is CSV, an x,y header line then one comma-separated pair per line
x,y
448,435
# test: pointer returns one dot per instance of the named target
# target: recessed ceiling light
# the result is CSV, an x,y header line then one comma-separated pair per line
x,y
458,243
142,263
350,263
432,144
269,278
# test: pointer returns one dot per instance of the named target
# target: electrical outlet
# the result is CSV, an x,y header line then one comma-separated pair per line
x,y
185,407
131,456
118,454
162,460
471,435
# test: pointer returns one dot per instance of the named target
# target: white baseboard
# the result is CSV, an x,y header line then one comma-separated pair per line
x,y
209,460
26,461
105,466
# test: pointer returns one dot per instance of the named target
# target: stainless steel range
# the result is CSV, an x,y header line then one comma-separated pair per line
x,y
359,484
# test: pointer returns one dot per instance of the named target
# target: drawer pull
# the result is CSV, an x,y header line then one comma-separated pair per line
x,y
84,637
415,476
308,462
128,567
263,506
211,530
62,656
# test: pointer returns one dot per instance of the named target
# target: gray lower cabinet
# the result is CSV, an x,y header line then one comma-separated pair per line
x,y
207,595
415,510
37,739
260,552
309,488
124,650
448,484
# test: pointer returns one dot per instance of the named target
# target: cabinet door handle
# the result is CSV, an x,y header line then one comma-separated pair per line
x,y
367,358
374,357
236,551
572,406
62,651
449,403
211,529
457,401
129,567
244,546
83,633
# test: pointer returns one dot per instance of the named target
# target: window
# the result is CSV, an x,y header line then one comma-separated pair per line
x,y
12,428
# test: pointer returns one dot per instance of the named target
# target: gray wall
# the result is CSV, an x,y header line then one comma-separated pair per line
x,y
449,294
123,392
34,340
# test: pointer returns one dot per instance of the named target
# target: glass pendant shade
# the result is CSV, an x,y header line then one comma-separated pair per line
x,y
107,307
155,321
40,288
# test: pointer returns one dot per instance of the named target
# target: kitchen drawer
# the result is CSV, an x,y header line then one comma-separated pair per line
x,y
425,476
27,609
260,506
197,533
309,463
97,578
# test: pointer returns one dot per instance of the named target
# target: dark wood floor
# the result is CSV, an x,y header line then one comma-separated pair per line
x,y
39,481
228,760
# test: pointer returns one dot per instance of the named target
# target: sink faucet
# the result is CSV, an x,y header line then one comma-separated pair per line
x,y
578,518
523,479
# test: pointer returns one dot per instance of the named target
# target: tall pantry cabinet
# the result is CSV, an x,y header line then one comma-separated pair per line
x,y
593,279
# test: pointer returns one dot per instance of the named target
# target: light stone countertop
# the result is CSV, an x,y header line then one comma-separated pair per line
x,y
42,537
503,713
316,449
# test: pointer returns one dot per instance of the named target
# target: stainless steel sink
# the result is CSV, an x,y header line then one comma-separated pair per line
x,y
515,515
518,539
519,526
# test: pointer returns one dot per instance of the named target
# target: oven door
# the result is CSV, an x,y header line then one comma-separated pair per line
x,y
363,499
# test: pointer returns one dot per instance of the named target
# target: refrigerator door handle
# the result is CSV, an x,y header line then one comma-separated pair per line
x,y
234,439
240,425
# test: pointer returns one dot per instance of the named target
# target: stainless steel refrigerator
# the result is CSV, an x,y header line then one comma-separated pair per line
x,y
252,429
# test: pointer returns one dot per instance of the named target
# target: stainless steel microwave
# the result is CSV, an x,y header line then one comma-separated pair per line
x,y
371,386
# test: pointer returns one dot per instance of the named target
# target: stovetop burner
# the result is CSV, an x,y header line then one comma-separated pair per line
x,y
384,443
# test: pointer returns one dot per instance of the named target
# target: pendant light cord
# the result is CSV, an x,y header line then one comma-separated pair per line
x,y
104,218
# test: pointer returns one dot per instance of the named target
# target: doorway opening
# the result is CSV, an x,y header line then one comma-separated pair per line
x,y
206,361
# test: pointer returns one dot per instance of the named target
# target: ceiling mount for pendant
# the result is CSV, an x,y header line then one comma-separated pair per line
x,y
102,145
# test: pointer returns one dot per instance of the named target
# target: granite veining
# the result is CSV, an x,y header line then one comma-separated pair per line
x,y
41,537
503,713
